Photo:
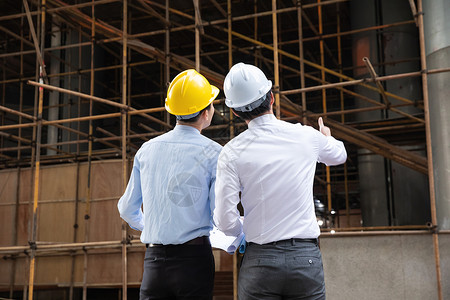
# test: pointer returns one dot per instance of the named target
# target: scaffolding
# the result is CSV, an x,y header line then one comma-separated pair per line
x,y
127,52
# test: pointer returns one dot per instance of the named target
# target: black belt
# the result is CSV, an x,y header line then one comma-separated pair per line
x,y
201,240
292,241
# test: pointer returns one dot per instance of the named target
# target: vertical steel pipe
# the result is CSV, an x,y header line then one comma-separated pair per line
x,y
124,144
255,28
276,86
75,231
167,53
197,34
16,212
230,60
341,97
324,95
35,195
90,138
301,55
426,104
36,183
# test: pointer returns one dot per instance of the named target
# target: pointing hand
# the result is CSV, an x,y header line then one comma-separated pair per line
x,y
324,129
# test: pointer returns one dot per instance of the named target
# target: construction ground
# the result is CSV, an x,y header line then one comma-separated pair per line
x,y
83,85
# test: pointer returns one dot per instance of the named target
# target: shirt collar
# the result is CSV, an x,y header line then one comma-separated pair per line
x,y
186,128
259,121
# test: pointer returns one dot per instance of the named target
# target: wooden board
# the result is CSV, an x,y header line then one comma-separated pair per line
x,y
8,199
105,268
58,182
21,275
8,186
135,265
53,270
105,223
7,214
5,274
56,220
107,179
56,203
25,207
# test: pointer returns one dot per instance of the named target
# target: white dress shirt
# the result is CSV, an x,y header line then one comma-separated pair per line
x,y
272,165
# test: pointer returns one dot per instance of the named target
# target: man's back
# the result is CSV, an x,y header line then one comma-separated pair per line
x,y
275,162
176,171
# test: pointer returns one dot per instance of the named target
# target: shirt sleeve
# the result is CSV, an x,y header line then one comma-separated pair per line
x,y
331,151
226,214
130,203
212,193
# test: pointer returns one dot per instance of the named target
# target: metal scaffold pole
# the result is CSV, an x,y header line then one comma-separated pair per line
x,y
341,96
301,55
167,54
36,182
87,210
230,59
324,97
198,30
276,87
124,144
423,62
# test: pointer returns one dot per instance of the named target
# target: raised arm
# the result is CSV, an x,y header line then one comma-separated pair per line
x,y
331,151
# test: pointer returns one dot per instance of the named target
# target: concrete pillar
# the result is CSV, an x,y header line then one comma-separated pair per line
x,y
437,47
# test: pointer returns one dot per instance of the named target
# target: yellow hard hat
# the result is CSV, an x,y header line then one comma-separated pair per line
x,y
189,92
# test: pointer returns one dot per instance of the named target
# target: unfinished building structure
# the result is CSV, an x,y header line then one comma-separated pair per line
x,y
83,85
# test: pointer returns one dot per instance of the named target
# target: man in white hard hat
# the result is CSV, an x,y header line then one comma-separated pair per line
x,y
272,165
173,178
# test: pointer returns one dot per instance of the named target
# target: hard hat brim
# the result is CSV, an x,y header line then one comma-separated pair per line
x,y
231,104
214,93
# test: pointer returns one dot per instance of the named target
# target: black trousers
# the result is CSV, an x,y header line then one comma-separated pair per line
x,y
178,272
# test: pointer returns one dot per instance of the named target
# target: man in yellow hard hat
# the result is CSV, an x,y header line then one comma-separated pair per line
x,y
173,178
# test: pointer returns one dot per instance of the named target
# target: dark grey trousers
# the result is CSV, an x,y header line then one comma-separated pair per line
x,y
282,270
178,272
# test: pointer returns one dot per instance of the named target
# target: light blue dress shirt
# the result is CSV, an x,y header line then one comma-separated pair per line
x,y
173,177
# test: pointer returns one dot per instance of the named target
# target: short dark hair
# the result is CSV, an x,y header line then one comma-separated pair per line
x,y
263,108
197,117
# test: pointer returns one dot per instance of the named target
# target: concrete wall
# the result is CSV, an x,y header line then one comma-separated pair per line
x,y
400,267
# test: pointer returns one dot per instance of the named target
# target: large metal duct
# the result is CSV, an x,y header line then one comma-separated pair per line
x,y
80,59
373,186
437,42
53,111
410,189
390,193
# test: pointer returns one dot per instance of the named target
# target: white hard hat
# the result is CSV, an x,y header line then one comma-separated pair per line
x,y
243,85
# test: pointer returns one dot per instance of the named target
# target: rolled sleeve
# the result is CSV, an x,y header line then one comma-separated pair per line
x,y
226,214
331,151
